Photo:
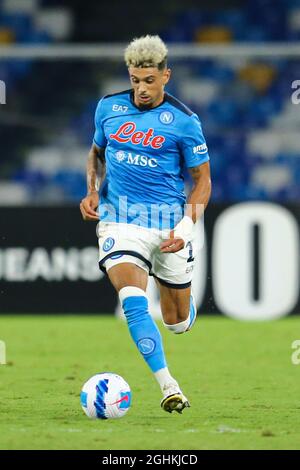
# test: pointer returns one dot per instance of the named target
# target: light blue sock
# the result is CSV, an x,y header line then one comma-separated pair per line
x,y
142,327
193,312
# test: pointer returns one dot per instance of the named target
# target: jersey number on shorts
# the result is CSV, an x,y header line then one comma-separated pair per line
x,y
190,247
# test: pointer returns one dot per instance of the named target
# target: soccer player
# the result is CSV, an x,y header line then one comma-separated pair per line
x,y
144,139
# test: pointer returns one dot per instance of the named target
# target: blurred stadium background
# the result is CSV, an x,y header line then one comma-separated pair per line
x,y
235,63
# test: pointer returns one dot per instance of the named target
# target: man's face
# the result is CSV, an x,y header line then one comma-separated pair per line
x,y
148,85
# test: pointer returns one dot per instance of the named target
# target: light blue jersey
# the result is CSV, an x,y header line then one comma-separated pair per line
x,y
145,154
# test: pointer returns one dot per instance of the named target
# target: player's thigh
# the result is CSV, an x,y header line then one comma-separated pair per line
x,y
175,303
124,253
128,274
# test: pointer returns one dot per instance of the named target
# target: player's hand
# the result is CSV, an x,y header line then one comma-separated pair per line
x,y
172,245
89,205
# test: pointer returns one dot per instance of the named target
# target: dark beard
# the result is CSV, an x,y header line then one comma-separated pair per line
x,y
144,107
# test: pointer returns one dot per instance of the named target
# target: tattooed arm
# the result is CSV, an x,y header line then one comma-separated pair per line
x,y
95,172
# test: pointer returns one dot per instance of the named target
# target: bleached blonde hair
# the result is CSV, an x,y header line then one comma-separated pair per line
x,y
146,51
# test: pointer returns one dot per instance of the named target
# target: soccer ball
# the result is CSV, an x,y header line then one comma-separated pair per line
x,y
105,396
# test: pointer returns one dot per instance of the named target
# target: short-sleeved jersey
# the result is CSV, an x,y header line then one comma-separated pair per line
x,y
145,153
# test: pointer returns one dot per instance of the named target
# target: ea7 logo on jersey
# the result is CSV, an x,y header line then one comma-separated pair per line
x,y
127,133
118,107
200,148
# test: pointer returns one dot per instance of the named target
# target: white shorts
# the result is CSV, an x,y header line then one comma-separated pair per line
x,y
130,243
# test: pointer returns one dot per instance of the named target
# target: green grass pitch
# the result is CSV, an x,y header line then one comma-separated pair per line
x,y
239,378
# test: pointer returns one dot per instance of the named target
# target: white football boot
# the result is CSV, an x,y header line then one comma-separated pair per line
x,y
173,400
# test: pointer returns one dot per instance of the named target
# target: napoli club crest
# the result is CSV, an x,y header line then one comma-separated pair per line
x,y
108,244
166,117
